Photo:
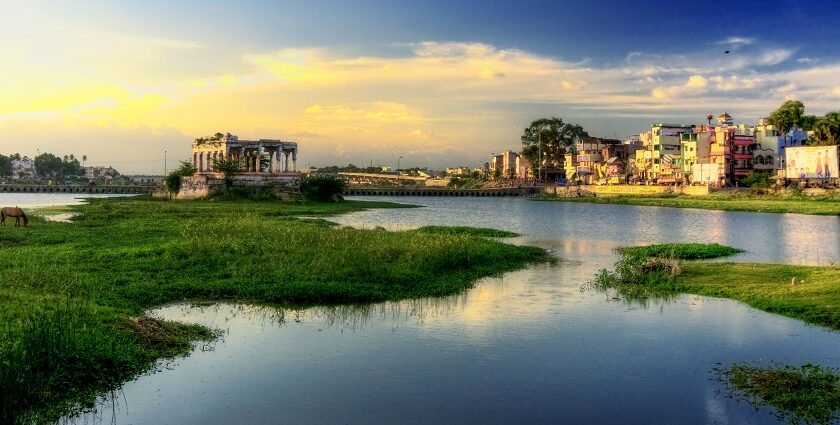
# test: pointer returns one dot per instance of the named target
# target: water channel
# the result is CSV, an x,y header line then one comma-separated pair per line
x,y
526,347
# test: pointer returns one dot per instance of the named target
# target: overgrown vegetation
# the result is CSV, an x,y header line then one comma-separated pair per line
x,y
681,251
758,180
322,188
652,270
464,230
72,295
809,393
172,181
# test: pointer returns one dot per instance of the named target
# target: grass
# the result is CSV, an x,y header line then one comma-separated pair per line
x,y
72,295
809,393
682,251
814,205
464,230
813,297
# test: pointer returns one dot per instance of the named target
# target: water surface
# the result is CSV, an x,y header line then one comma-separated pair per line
x,y
527,347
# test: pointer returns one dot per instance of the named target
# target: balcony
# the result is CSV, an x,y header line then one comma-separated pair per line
x,y
743,156
743,142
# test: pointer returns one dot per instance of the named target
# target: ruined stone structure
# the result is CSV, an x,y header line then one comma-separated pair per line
x,y
267,163
248,152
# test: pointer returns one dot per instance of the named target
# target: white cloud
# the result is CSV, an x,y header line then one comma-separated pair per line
x,y
736,41
774,57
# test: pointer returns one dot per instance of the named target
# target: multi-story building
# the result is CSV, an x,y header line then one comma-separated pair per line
x,y
772,142
695,148
660,151
588,157
504,164
732,150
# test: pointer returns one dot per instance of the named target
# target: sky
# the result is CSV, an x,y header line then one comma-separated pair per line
x,y
438,83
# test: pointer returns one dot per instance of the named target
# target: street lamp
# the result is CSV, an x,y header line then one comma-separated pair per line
x,y
398,171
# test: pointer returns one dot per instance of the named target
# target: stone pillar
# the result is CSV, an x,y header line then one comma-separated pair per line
x,y
195,160
294,161
271,167
286,165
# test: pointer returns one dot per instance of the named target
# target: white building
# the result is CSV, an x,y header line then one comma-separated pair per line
x,y
22,169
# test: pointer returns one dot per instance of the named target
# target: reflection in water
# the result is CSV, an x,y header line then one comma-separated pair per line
x,y
526,347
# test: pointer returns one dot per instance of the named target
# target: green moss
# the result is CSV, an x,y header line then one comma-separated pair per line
x,y
71,293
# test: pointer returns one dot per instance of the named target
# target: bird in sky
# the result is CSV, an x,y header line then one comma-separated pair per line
x,y
726,52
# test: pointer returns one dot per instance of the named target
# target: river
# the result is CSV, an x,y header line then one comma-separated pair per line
x,y
528,347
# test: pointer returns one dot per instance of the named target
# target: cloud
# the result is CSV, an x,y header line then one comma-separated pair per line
x,y
836,90
736,41
807,61
774,57
691,87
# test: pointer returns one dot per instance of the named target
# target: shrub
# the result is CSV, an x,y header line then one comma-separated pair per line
x,y
322,188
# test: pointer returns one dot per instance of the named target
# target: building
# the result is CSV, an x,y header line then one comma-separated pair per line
x,y
586,162
97,172
23,168
504,164
732,150
459,171
772,142
523,168
695,148
145,179
658,158
264,156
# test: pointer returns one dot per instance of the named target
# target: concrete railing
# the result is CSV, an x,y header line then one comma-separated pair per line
x,y
43,188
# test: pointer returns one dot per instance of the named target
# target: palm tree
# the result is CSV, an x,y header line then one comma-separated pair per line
x,y
827,129
84,159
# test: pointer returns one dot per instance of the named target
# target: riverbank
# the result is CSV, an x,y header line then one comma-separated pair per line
x,y
74,294
725,201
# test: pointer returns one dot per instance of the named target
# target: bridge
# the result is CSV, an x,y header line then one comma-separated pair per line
x,y
44,188
436,191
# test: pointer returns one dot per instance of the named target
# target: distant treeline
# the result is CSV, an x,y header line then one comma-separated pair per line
x,y
46,164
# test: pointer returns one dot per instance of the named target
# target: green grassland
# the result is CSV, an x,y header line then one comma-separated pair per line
x,y
73,295
816,205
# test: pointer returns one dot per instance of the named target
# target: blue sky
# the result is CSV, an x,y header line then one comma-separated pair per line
x,y
439,82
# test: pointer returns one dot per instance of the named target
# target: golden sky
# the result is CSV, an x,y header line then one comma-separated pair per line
x,y
123,97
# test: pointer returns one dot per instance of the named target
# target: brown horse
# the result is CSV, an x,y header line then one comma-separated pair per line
x,y
15,212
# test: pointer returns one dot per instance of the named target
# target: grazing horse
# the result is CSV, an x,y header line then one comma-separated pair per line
x,y
15,212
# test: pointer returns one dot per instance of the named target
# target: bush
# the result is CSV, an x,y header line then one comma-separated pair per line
x,y
758,180
322,188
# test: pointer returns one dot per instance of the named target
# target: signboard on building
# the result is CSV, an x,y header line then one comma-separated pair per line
x,y
811,162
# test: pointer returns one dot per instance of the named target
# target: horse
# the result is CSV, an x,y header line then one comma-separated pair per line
x,y
15,212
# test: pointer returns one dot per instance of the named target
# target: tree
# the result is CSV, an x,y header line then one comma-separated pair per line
x,y
551,136
84,159
787,116
172,181
827,129
322,188
5,166
229,168
808,122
